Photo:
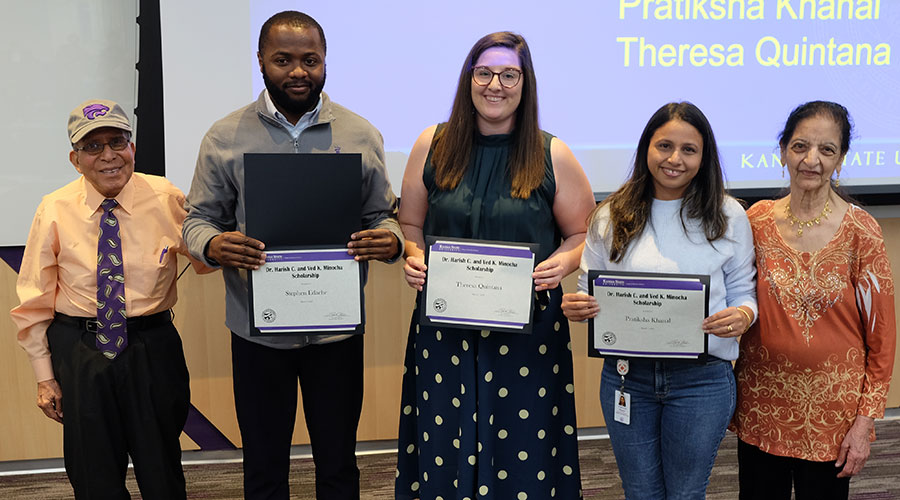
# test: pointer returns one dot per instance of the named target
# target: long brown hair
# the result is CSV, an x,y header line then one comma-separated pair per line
x,y
704,198
453,143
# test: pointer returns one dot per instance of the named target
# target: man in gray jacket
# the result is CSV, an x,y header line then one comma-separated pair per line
x,y
292,115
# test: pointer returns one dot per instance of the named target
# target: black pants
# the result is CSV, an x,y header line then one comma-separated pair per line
x,y
764,476
133,405
265,397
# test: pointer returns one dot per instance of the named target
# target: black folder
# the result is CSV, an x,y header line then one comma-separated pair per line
x,y
302,199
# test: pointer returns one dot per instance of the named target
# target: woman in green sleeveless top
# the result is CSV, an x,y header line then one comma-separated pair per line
x,y
488,414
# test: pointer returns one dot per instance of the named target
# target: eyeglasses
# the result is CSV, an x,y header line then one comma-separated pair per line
x,y
483,76
95,148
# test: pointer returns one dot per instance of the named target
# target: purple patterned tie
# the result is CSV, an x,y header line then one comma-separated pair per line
x,y
111,319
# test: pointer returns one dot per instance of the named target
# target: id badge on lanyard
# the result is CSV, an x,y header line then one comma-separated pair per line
x,y
622,402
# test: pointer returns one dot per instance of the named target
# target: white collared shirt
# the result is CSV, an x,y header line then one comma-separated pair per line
x,y
303,123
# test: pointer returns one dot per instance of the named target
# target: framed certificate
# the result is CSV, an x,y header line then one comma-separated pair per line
x,y
478,284
304,207
306,291
648,315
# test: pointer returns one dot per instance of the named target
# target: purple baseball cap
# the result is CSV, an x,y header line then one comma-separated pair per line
x,y
94,114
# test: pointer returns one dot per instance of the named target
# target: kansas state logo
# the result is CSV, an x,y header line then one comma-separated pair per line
x,y
268,315
609,338
95,110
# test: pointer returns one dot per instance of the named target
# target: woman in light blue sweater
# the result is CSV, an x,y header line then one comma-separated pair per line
x,y
672,216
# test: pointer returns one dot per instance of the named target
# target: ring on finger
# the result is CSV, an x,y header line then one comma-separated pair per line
x,y
730,328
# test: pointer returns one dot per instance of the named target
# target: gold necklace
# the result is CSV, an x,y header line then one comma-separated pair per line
x,y
805,223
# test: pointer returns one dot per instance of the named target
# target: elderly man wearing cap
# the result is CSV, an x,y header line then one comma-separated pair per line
x,y
96,287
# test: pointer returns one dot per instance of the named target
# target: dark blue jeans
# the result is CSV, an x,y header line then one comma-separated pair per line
x,y
679,413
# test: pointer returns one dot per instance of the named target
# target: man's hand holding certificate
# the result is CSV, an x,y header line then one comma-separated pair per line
x,y
649,315
478,284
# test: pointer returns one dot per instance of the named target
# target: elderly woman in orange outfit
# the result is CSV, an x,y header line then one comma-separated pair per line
x,y
813,373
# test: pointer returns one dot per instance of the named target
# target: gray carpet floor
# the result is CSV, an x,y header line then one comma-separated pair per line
x,y
879,480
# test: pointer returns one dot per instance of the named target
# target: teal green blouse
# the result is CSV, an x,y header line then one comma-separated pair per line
x,y
482,207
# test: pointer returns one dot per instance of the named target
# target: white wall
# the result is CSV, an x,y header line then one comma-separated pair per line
x,y
55,54
207,71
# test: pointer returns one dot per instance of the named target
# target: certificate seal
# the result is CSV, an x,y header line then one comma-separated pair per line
x,y
439,305
268,315
609,338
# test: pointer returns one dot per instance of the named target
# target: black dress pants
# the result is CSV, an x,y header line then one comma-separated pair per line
x,y
265,397
134,405
763,476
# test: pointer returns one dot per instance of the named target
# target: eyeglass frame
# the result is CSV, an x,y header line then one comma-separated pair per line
x,y
103,145
497,74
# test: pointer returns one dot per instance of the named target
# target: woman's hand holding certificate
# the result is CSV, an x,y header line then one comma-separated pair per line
x,y
548,274
729,322
414,270
579,306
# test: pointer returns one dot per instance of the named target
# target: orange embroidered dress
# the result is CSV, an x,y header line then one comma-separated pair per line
x,y
822,350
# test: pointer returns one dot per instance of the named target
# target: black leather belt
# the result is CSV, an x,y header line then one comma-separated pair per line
x,y
134,324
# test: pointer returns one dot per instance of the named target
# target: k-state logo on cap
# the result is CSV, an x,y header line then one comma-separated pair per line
x,y
95,110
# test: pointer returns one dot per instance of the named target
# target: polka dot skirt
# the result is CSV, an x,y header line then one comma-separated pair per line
x,y
487,415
